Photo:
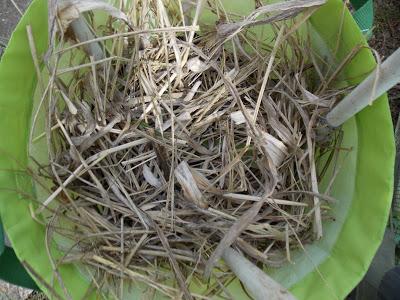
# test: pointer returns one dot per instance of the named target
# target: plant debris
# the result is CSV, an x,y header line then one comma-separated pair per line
x,y
172,139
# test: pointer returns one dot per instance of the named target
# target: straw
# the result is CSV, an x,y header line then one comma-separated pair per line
x,y
171,147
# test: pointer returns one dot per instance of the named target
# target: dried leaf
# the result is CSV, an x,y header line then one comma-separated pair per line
x,y
238,117
192,92
196,65
274,147
189,186
150,177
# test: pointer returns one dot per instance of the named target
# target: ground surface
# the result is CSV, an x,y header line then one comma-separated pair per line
x,y
9,17
386,40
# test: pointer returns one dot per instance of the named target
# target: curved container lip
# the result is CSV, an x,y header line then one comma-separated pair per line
x,y
363,227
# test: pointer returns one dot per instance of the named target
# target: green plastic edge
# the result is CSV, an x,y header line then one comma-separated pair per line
x,y
345,266
361,234
364,15
17,81
358,3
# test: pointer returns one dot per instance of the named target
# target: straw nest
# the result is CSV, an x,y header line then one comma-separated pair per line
x,y
172,139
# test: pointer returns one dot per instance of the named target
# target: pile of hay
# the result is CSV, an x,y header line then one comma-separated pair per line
x,y
172,139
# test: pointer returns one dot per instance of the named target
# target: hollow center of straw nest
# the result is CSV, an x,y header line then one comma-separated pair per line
x,y
175,145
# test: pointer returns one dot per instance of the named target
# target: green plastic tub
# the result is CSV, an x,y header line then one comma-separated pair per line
x,y
328,269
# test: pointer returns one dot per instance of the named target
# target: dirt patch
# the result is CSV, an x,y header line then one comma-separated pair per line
x,y
9,17
386,39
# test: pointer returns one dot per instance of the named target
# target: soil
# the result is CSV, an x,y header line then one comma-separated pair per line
x,y
386,39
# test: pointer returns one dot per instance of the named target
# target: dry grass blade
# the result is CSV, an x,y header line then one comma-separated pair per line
x,y
286,9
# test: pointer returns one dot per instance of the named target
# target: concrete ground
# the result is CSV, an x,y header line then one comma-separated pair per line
x,y
10,13
9,16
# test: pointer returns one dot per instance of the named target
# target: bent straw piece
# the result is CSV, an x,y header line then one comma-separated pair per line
x,y
287,8
360,97
258,283
131,33
94,62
